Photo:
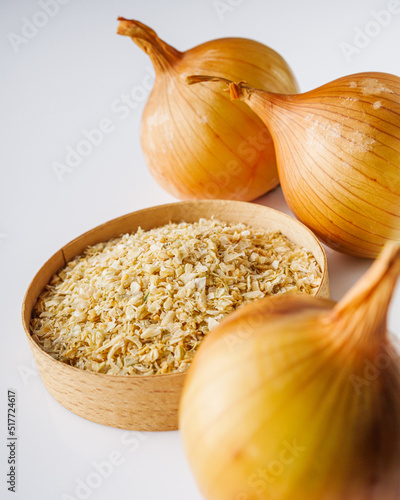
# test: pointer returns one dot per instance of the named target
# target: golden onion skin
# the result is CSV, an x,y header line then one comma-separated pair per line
x,y
296,398
338,155
197,144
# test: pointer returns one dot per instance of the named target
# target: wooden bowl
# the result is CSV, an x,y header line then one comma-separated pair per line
x,y
147,403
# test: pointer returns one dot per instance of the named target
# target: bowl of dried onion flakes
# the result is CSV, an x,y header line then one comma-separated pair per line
x,y
115,317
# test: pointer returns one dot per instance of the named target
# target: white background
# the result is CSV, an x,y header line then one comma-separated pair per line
x,y
65,79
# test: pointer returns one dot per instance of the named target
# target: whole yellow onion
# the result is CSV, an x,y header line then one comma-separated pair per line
x,y
338,153
296,398
197,144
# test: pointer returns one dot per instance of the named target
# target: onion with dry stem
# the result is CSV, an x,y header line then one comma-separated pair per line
x,y
197,144
338,153
298,398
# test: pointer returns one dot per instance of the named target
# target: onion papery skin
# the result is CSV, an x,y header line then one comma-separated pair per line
x,y
343,182
272,420
196,143
338,156
295,397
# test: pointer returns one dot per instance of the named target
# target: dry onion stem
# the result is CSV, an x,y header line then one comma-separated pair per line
x,y
142,303
197,144
298,398
338,154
